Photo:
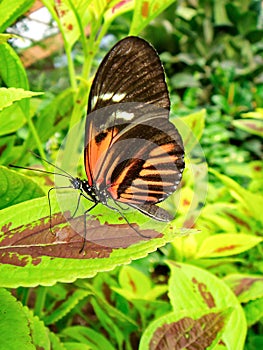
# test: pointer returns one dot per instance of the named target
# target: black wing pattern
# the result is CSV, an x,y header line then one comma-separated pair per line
x,y
132,149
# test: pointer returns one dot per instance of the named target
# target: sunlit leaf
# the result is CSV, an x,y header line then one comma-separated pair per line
x,y
227,244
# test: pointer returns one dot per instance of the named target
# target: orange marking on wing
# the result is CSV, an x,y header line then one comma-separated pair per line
x,y
97,149
159,151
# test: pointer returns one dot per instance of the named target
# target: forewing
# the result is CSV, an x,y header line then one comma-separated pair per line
x,y
130,75
130,72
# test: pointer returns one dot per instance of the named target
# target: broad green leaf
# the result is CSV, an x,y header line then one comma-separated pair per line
x,y
252,202
30,333
16,188
13,73
254,127
12,314
226,244
12,119
185,330
87,336
145,11
30,254
194,289
10,95
11,10
246,287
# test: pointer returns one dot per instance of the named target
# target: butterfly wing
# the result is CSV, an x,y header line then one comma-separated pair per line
x,y
130,72
132,150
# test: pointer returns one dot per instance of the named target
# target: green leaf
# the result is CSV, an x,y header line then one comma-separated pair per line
x,y
30,333
65,307
68,16
13,73
257,114
252,202
133,281
254,311
9,96
192,288
5,37
191,128
16,188
185,330
30,254
11,119
246,287
11,313
145,11
87,336
11,10
226,244
254,127
118,8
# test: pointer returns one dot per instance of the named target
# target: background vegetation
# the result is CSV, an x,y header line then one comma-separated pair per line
x,y
203,288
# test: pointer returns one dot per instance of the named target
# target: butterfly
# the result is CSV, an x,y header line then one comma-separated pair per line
x,y
133,154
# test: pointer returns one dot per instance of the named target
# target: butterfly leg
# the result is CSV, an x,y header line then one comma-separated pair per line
x,y
85,225
118,211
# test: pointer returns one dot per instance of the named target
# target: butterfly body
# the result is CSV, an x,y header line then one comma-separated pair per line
x,y
133,153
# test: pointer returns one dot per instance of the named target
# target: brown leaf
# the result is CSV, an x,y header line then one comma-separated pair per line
x,y
188,333
34,240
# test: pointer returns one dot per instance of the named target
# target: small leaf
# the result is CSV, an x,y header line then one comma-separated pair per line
x,y
145,11
65,307
226,244
10,95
